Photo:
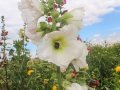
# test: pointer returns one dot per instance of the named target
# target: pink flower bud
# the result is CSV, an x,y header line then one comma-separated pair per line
x,y
49,19
1,43
55,6
4,33
78,38
89,49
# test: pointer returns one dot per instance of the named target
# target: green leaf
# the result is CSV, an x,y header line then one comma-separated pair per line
x,y
51,4
65,18
55,14
59,1
43,25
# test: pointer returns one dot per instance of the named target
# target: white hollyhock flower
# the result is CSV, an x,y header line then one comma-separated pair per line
x,y
61,47
31,12
76,86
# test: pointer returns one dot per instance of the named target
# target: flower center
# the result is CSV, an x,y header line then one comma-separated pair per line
x,y
57,45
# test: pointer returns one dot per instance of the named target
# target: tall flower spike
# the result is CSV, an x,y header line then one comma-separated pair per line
x,y
31,12
61,47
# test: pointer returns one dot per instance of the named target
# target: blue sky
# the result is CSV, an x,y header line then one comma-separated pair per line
x,y
110,24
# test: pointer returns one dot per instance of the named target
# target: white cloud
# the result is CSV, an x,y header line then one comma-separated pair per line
x,y
110,39
97,39
113,38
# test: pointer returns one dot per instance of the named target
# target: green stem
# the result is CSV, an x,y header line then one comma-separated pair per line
x,y
29,81
59,76
60,10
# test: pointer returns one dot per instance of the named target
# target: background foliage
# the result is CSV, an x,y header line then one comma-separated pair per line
x,y
102,63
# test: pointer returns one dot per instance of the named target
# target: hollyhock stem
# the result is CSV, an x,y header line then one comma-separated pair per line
x,y
59,76
72,67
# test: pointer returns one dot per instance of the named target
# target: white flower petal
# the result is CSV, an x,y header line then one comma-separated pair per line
x,y
72,29
77,19
30,10
81,61
76,86
37,5
35,37
29,16
44,51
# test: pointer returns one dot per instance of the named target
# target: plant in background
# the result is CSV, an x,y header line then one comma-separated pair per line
x,y
104,66
18,64
4,60
117,76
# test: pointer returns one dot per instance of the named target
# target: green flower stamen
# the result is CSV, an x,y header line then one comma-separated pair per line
x,y
59,43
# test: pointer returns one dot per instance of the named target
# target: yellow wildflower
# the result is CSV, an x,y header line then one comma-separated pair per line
x,y
29,73
117,69
54,87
